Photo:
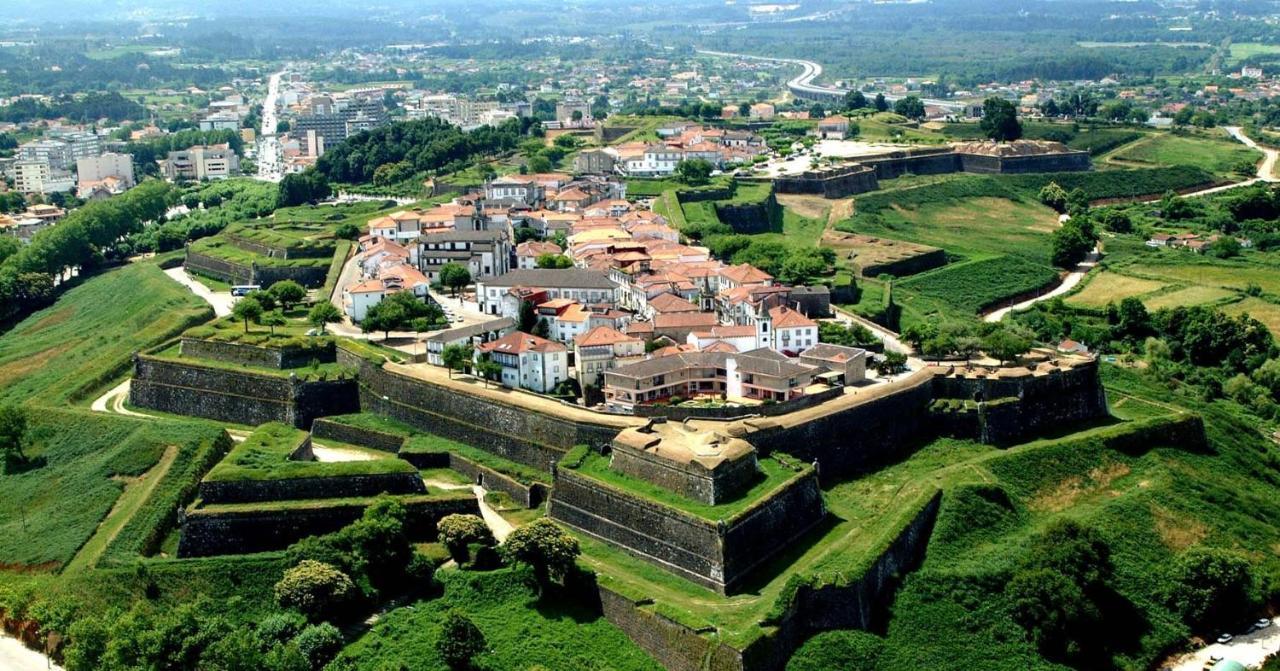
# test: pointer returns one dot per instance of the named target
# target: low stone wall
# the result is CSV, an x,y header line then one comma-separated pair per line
x,y
529,496
813,609
293,489
512,432
715,554
254,355
219,269
353,435
206,533
690,480
235,396
907,266
308,276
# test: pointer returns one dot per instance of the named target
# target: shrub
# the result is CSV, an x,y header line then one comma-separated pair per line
x,y
279,628
314,589
319,643
1210,586
460,640
459,531
847,650
543,546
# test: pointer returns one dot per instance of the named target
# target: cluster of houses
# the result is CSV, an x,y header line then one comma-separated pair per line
x,y
625,309
1192,241
679,142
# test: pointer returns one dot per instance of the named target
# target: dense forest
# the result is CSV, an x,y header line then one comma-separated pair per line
x,y
426,145
86,109
65,70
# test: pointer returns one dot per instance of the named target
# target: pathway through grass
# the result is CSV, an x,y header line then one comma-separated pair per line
x,y
136,492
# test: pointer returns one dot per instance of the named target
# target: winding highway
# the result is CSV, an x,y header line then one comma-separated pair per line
x,y
802,86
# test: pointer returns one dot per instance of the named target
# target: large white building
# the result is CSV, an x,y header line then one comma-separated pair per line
x,y
94,170
202,162
34,176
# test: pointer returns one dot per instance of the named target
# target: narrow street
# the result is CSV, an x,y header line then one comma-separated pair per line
x,y
270,160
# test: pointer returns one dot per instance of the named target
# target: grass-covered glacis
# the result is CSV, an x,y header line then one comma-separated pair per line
x,y
267,455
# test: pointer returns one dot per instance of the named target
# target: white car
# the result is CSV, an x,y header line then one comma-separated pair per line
x,y
1261,624
1225,638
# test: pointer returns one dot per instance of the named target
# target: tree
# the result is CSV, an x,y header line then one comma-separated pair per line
x,y
347,231
528,317
13,433
457,532
1006,343
880,103
1116,220
264,298
389,174
1224,247
544,547
910,107
1073,550
323,313
288,292
694,171
384,316
319,643
273,319
539,163
247,309
460,640
316,590
1000,120
554,261
1070,245
1210,586
1050,607
891,363
542,329
455,276
1054,196
303,187
854,100
456,357
487,369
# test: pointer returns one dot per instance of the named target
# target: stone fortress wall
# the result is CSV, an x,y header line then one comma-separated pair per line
x,y
863,175
716,554
242,397
236,273
208,532
292,489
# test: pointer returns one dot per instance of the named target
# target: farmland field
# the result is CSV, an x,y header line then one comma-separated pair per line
x,y
1217,156
1244,50
67,351
1227,274
975,225
1108,287
963,289
1266,312
1188,296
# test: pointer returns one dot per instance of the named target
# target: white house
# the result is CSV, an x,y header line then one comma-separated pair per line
x,y
527,361
588,287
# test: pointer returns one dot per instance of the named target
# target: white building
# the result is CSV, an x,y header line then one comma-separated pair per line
x,y
95,169
656,161
201,163
527,361
588,287
33,176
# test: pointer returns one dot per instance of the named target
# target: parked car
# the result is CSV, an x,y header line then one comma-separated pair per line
x,y
1225,638
1262,624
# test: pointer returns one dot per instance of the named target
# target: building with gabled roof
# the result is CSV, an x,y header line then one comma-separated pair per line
x,y
527,361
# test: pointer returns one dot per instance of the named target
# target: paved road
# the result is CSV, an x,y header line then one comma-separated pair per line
x,y
220,300
1067,283
16,657
270,152
1248,649
498,524
113,401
